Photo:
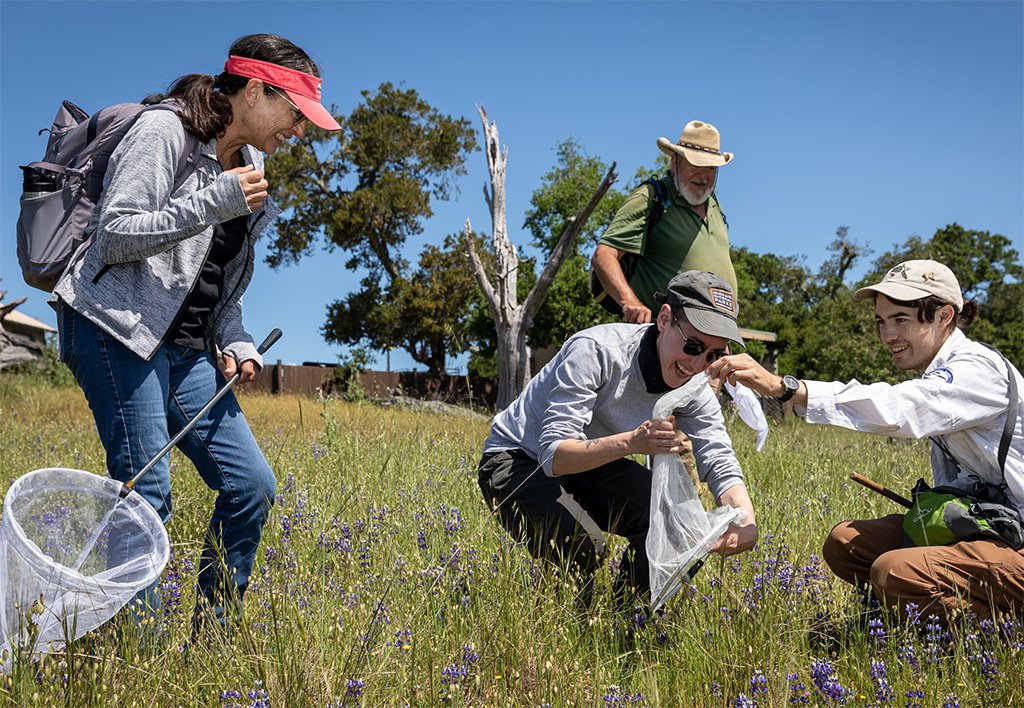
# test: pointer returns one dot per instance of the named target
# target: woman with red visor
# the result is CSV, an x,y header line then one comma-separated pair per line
x,y
144,311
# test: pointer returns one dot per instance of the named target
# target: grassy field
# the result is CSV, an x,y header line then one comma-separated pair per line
x,y
383,581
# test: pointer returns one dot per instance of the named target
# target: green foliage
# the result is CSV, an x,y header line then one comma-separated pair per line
x,y
347,378
366,189
423,311
563,191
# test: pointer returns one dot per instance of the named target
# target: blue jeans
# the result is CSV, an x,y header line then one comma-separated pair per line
x,y
139,405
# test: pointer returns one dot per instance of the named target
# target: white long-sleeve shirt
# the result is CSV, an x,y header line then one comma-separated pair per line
x,y
962,399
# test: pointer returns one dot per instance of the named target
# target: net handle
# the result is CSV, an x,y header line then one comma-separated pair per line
x,y
128,486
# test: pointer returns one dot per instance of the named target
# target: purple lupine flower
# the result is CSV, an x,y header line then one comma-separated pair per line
x,y
353,692
908,655
826,681
741,701
883,691
615,697
876,633
715,689
989,666
913,613
913,696
952,701
758,683
421,539
798,692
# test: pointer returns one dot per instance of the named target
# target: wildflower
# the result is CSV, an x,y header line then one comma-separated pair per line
x,y
353,691
951,701
908,655
989,666
614,697
913,613
827,682
883,691
743,702
453,674
913,694
798,692
758,682
876,632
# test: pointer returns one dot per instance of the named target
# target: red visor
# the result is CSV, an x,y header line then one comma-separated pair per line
x,y
302,88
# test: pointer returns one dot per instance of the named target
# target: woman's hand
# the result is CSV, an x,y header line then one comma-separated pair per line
x,y
246,374
254,186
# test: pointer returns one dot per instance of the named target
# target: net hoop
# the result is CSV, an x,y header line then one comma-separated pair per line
x,y
134,504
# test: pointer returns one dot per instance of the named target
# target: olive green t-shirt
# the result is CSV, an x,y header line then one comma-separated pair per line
x,y
681,241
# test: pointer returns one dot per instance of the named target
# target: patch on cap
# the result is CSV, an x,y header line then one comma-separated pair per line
x,y
723,300
901,269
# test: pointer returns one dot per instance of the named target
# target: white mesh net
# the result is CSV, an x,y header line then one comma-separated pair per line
x,y
72,553
680,531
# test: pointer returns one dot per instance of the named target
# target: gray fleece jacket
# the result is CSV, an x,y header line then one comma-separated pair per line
x,y
595,386
150,243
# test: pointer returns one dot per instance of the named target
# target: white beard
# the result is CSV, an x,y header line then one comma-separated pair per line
x,y
692,197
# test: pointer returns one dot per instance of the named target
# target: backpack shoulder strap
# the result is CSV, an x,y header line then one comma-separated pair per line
x,y
660,202
1011,411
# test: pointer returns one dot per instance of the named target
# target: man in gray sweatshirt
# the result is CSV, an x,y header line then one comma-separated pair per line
x,y
556,466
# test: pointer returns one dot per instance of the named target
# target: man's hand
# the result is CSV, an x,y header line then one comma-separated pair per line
x,y
247,373
254,186
655,437
742,368
635,311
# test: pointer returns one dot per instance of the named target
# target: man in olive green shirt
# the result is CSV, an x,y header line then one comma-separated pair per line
x,y
690,235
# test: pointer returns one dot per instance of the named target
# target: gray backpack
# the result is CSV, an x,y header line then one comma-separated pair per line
x,y
60,192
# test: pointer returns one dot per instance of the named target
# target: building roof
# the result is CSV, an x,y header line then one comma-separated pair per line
x,y
758,334
15,317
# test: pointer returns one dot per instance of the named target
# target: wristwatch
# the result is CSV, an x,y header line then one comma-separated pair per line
x,y
792,385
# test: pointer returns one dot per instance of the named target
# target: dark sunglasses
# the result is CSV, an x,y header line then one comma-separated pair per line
x,y
695,347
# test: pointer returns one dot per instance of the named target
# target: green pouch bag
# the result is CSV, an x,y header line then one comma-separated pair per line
x,y
945,515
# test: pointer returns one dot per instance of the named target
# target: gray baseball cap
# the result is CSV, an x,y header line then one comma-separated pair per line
x,y
708,301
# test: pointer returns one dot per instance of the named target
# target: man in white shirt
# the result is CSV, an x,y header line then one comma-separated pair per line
x,y
961,401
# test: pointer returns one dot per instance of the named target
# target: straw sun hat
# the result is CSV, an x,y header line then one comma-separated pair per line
x,y
700,144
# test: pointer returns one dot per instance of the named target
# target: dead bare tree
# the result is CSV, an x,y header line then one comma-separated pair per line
x,y
512,321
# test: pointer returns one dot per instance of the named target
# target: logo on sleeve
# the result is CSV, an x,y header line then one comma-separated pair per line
x,y
942,373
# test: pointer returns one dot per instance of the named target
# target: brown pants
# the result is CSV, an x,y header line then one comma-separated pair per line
x,y
986,577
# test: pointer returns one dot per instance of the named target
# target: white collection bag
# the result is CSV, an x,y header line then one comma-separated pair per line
x,y
680,532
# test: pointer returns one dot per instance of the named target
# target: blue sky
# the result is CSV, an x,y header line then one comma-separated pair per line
x,y
890,118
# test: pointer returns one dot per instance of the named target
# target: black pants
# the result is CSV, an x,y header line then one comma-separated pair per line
x,y
560,519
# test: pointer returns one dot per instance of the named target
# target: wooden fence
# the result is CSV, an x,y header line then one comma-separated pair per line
x,y
316,380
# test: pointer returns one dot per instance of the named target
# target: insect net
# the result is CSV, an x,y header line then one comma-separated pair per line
x,y
72,553
680,531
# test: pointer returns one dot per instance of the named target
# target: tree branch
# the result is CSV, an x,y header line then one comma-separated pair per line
x,y
562,249
481,275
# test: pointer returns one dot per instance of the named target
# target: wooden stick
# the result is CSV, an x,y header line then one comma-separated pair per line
x,y
875,486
